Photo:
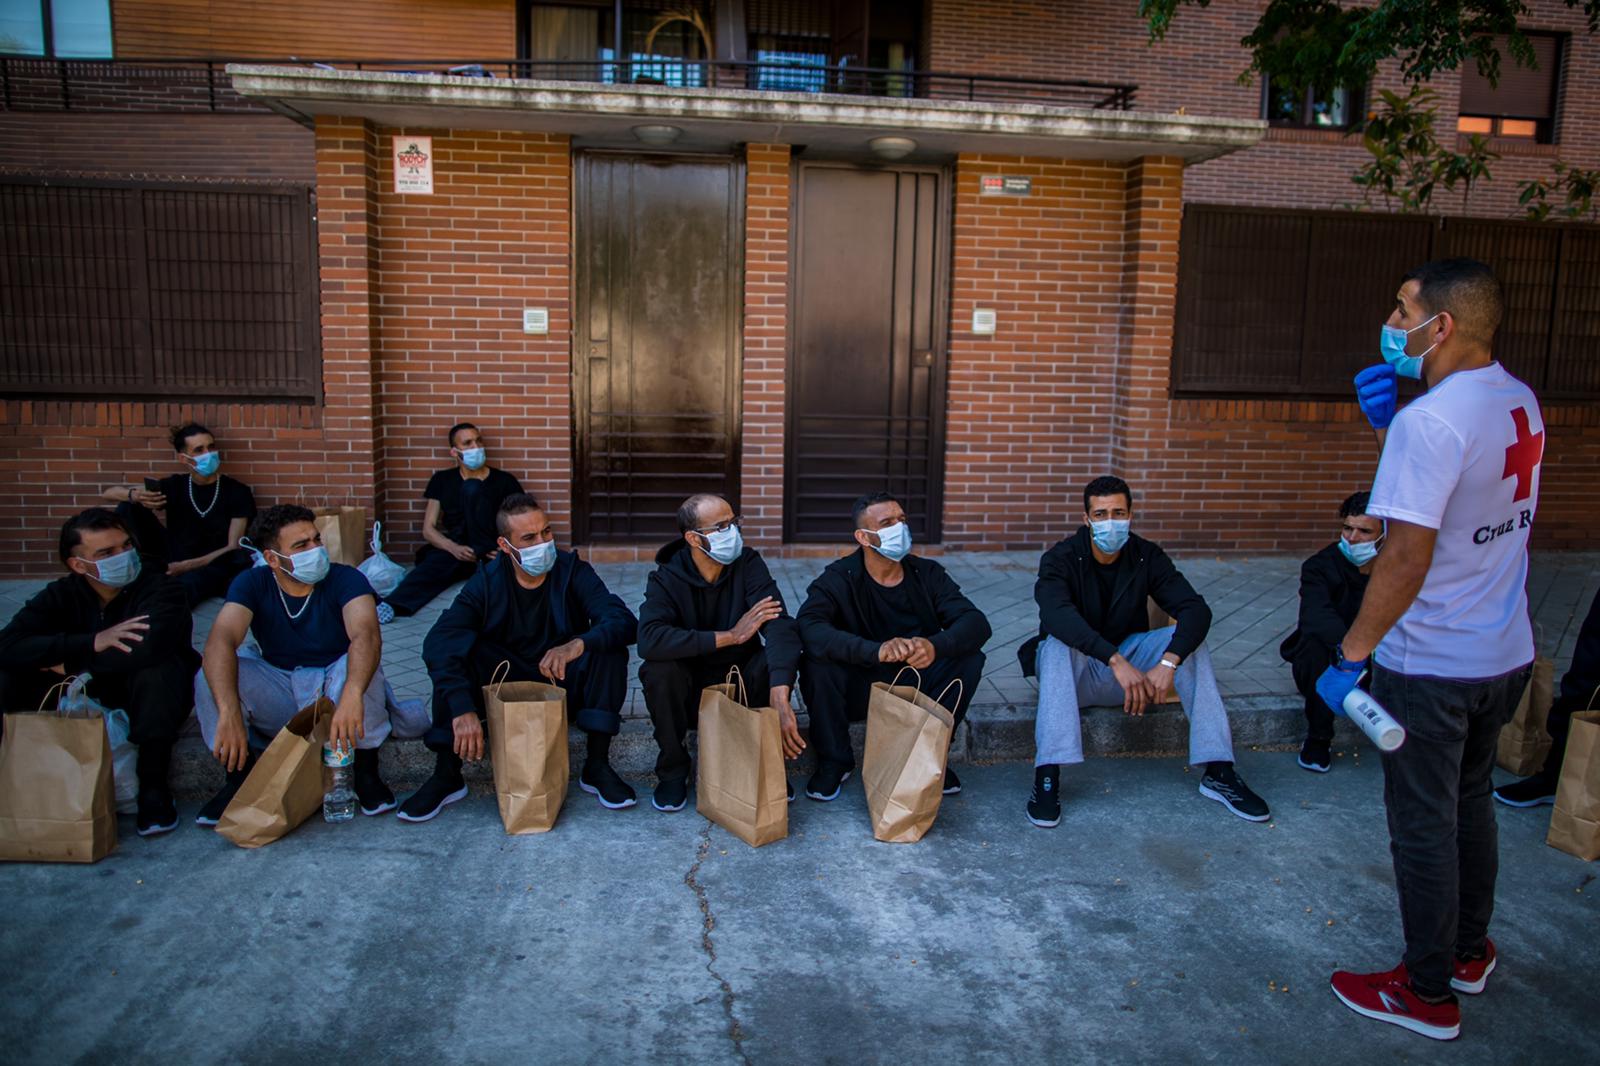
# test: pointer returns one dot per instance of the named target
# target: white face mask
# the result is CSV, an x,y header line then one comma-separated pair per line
x,y
309,566
894,542
724,545
474,458
1360,554
536,559
118,571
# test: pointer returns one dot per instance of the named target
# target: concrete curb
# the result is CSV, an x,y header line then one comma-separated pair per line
x,y
996,732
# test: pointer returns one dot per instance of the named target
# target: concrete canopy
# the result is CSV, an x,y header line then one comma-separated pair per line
x,y
604,115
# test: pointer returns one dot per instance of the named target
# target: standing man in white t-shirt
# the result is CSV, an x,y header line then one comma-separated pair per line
x,y
1445,618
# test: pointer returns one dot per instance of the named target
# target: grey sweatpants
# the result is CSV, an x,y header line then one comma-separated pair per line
x,y
270,696
1069,679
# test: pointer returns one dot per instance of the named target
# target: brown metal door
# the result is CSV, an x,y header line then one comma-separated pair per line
x,y
867,366
658,277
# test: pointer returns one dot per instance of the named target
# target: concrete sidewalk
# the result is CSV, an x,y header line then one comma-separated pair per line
x,y
1254,602
1150,927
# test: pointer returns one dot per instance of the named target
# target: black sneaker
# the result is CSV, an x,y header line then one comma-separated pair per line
x,y
952,783
1044,806
157,813
436,793
791,790
373,795
1224,785
606,785
671,795
1315,756
825,783
211,813
1536,791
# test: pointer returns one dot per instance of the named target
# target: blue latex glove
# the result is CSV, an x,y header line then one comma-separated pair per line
x,y
1338,680
1378,391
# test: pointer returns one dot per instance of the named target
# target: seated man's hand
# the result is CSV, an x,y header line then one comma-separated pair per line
x,y
1338,680
349,723
788,724
1159,678
895,650
155,501
122,636
764,611
1378,392
463,553
554,664
231,747
922,653
1136,690
182,566
468,736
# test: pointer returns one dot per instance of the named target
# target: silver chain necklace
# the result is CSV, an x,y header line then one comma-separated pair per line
x,y
215,495
294,616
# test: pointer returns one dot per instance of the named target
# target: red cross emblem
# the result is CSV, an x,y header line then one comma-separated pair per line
x,y
1523,455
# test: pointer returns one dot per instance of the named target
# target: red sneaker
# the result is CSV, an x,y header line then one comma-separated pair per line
x,y
1387,997
1472,974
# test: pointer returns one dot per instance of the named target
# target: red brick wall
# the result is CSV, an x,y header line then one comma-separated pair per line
x,y
452,273
766,319
379,29
1031,414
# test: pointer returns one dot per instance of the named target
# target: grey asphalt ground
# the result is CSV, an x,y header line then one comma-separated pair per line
x,y
1151,926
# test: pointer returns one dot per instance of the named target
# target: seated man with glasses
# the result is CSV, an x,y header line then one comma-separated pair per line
x,y
1095,647
707,606
868,616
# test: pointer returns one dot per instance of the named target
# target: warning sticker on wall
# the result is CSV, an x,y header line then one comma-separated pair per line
x,y
413,164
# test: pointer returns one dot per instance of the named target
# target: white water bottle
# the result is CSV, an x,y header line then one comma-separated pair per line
x,y
1374,721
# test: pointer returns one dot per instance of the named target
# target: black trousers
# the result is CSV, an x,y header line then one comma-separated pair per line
x,y
1310,660
836,694
1437,789
672,694
158,699
435,571
596,684
210,580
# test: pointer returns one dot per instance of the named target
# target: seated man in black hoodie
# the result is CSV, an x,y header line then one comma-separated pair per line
x,y
1580,690
706,606
126,626
1095,647
548,616
1332,583
867,617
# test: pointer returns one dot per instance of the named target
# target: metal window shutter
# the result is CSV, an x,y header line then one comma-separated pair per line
x,y
1522,93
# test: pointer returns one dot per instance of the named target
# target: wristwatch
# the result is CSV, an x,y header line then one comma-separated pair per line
x,y
1347,665
1168,663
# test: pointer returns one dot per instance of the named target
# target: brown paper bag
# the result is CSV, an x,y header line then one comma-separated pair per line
x,y
343,532
285,785
528,751
741,784
902,770
1524,743
56,798
1575,822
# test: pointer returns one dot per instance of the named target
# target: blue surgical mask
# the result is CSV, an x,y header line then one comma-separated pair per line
x,y
1360,554
724,545
1111,534
310,566
207,463
536,560
118,571
1393,345
894,542
473,458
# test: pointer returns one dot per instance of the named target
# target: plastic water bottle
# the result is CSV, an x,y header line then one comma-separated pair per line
x,y
1374,721
339,803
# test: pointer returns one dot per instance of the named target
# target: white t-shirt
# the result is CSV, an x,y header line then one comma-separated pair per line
x,y
1464,459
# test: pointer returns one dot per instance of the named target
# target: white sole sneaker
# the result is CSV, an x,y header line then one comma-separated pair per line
x,y
1432,1032
157,830
1472,988
458,794
828,797
1313,767
1236,812
607,804
1541,801
1042,824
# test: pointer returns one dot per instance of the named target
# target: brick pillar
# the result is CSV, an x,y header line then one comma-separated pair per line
x,y
347,150
766,323
1153,215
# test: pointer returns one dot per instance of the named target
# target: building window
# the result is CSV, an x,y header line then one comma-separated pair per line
x,y
68,29
1523,105
1316,109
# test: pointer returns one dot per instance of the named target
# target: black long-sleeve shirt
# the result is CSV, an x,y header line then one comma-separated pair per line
x,y
841,618
58,626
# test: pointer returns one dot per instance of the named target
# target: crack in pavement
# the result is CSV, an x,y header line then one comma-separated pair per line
x,y
707,945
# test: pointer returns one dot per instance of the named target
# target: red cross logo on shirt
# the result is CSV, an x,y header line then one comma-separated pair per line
x,y
1523,455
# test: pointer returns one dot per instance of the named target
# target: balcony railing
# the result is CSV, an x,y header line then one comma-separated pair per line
x,y
35,84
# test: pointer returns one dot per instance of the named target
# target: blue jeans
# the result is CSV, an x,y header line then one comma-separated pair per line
x,y
1069,679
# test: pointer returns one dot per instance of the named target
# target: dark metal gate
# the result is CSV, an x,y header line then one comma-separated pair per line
x,y
867,358
658,278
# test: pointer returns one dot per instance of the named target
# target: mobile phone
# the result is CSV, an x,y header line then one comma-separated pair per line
x,y
152,485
